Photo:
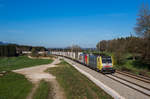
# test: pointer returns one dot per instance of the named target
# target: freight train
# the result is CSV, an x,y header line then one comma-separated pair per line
x,y
101,63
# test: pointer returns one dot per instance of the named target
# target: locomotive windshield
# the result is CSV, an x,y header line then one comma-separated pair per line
x,y
106,60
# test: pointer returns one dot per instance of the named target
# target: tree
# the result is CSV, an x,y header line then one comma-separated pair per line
x,y
7,50
1,50
34,52
133,46
143,30
143,22
102,45
74,48
11,50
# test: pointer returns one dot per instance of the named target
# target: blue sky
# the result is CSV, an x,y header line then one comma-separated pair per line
x,y
61,23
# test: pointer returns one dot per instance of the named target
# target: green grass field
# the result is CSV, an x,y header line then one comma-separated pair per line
x,y
14,86
76,85
43,91
11,63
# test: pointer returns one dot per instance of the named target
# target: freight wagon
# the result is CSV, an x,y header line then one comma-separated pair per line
x,y
99,63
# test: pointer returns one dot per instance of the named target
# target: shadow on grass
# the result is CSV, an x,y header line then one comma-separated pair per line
x,y
140,65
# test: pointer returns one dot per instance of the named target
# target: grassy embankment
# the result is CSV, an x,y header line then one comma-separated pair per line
x,y
43,91
134,66
11,63
14,86
76,85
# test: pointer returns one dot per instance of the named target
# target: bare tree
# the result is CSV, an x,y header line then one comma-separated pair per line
x,y
74,48
102,45
143,30
143,22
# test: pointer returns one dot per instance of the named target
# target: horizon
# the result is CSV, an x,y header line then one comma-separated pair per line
x,y
59,24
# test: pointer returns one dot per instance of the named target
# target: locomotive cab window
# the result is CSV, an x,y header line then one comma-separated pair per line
x,y
109,60
106,60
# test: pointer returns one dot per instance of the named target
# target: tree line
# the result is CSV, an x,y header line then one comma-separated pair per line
x,y
21,48
73,48
9,50
138,46
122,46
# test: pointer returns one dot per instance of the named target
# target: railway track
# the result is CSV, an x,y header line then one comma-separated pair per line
x,y
134,85
131,84
138,77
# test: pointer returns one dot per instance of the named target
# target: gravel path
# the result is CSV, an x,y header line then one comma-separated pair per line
x,y
123,90
36,74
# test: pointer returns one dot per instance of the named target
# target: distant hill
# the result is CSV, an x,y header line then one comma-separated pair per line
x,y
2,43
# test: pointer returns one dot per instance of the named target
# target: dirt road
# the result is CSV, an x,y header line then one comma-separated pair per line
x,y
36,73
